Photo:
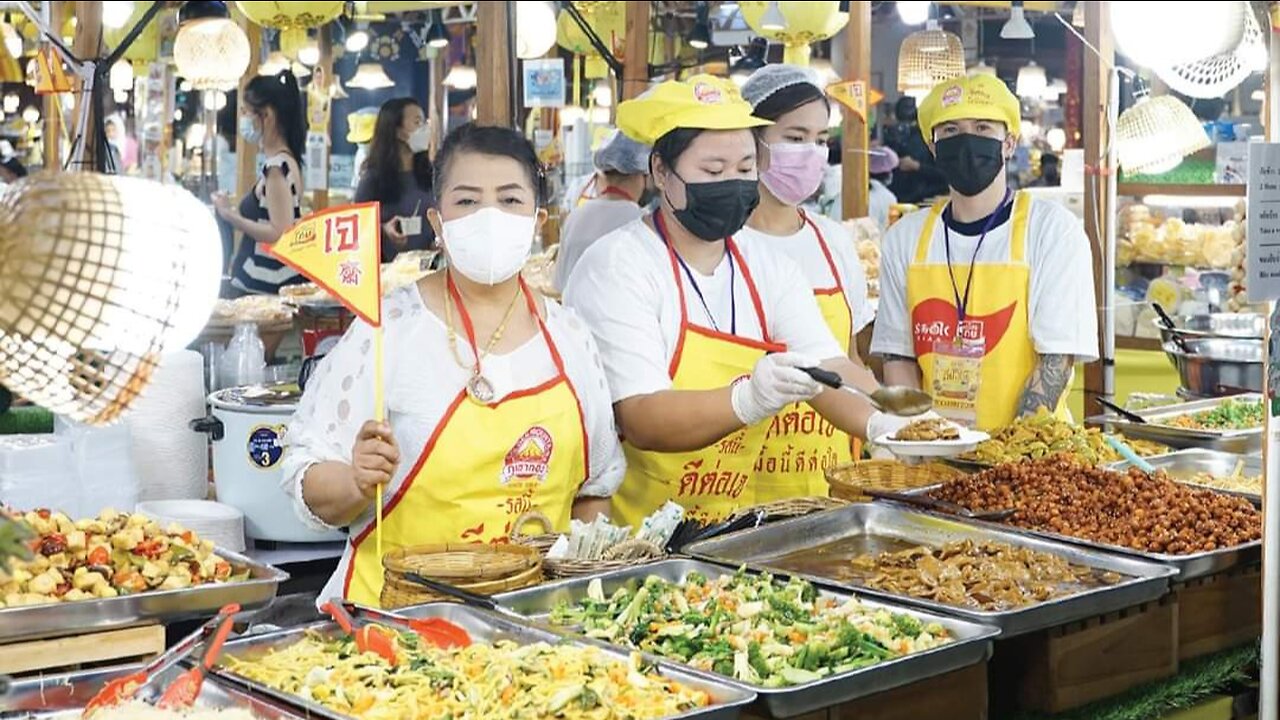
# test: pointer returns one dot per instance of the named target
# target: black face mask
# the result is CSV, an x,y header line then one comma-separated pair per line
x,y
716,210
969,162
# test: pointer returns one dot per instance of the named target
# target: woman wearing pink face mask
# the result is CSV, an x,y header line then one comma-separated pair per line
x,y
793,156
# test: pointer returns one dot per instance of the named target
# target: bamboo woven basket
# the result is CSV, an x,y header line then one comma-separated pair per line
x,y
793,507
848,481
541,542
481,569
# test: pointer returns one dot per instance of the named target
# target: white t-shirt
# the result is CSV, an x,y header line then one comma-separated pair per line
x,y
421,379
586,224
880,200
1061,305
625,289
803,248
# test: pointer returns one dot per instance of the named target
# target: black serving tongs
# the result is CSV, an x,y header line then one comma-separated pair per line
x,y
950,508
1126,414
1174,333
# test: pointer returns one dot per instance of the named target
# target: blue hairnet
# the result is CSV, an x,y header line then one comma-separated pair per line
x,y
620,154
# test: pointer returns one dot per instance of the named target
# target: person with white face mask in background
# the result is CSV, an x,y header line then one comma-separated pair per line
x,y
705,329
793,160
986,299
397,174
496,400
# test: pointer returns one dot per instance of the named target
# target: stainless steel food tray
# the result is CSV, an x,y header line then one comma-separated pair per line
x,y
972,642
483,626
762,547
1185,464
47,697
41,621
1188,567
1232,441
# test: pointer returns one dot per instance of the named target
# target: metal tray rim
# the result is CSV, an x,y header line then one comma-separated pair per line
x,y
1158,570
982,633
1255,498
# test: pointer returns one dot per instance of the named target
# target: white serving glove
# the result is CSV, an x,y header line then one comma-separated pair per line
x,y
775,383
881,424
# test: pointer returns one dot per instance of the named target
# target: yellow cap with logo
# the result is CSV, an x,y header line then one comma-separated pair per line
x,y
980,97
706,102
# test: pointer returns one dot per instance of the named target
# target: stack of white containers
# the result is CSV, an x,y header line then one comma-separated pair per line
x,y
38,471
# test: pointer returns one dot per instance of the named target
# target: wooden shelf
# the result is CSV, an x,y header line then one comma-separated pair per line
x,y
1133,343
1179,190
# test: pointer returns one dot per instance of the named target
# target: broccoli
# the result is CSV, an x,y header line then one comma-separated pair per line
x,y
695,578
756,658
786,610
639,605
907,625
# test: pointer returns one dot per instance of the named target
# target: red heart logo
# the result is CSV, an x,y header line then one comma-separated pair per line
x,y
934,320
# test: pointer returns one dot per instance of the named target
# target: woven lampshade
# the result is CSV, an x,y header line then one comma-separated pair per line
x,y
928,57
1219,74
1155,135
213,53
99,274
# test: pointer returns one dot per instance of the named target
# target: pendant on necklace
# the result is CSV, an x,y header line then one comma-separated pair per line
x,y
480,389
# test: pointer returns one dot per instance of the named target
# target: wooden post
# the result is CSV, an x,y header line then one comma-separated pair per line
x,y
437,110
856,183
493,64
635,66
1097,31
52,104
247,152
320,196
88,44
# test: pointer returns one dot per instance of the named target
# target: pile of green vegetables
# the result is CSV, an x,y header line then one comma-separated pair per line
x,y
1230,415
749,627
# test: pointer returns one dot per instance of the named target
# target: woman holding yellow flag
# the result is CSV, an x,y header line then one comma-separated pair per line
x,y
496,400
704,331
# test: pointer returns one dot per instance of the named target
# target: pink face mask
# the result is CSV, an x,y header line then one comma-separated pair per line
x,y
795,171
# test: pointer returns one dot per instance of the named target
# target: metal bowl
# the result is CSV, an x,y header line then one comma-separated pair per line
x,y
1243,326
1214,367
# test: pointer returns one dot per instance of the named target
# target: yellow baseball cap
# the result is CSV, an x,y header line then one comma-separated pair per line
x,y
703,101
360,126
980,97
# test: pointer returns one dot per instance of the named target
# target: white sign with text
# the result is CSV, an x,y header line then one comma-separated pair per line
x,y
1262,263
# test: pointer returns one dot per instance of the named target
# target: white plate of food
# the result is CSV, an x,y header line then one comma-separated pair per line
x,y
932,437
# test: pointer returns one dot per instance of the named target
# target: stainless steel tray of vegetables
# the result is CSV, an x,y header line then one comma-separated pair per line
x,y
54,618
823,546
63,697
1225,472
526,671
1226,424
798,646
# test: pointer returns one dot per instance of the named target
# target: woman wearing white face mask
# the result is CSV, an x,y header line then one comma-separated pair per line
x,y
793,158
496,399
397,174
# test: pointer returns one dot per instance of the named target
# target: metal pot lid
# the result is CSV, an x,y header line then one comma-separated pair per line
x,y
284,396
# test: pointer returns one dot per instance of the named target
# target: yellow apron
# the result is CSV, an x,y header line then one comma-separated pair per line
x,y
800,444
988,386
712,482
483,467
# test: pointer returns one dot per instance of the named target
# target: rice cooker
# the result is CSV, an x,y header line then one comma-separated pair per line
x,y
247,428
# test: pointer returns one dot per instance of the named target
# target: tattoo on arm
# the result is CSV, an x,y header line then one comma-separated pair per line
x,y
1047,384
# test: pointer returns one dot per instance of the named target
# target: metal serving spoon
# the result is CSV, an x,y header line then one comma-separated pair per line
x,y
894,399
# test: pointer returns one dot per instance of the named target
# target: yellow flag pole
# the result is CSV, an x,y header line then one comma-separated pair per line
x,y
379,411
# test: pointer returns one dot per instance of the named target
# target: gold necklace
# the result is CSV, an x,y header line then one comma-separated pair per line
x,y
478,386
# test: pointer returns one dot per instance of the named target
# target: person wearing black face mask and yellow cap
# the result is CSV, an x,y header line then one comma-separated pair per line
x,y
702,332
986,299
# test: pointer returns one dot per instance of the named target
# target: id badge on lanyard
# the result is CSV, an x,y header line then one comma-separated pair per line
x,y
957,377
957,361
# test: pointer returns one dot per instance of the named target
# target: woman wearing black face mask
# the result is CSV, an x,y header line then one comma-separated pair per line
x,y
986,300
702,333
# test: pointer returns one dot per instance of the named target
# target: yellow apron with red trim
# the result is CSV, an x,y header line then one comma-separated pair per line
x,y
713,482
800,444
483,467
997,316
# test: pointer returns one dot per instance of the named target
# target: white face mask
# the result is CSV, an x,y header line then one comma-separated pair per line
x,y
419,139
489,246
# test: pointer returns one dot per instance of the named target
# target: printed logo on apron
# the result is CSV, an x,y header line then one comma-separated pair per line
x,y
529,458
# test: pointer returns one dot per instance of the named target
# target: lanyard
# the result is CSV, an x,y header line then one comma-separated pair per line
x,y
616,191
660,225
962,304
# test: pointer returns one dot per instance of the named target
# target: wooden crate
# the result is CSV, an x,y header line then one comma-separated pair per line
x,y
75,651
958,695
1055,670
1219,612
